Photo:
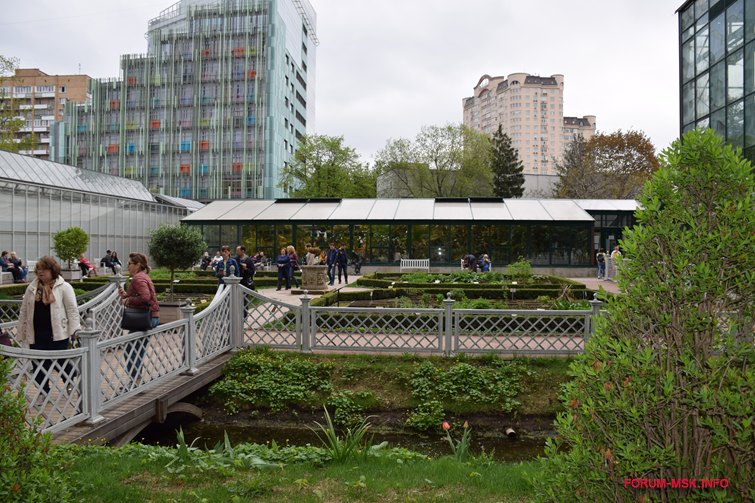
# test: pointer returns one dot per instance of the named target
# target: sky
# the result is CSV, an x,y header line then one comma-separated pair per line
x,y
386,68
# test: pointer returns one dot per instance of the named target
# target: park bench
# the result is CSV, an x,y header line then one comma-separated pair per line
x,y
414,263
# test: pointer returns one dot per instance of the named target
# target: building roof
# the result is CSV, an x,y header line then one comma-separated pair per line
x,y
543,81
381,210
189,204
22,168
607,204
572,121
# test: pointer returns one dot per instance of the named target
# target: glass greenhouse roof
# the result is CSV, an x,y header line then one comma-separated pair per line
x,y
22,168
375,210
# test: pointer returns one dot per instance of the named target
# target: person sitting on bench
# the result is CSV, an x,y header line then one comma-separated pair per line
x,y
85,266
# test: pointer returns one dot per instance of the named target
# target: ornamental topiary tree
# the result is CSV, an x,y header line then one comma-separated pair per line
x,y
175,247
665,389
68,244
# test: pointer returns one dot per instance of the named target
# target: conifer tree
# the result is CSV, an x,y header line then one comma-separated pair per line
x,y
508,180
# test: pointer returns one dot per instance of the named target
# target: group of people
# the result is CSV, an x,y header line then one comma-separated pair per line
x,y
241,265
13,265
110,260
474,264
49,317
601,258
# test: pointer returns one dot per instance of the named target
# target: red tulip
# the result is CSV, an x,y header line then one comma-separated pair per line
x,y
446,426
466,424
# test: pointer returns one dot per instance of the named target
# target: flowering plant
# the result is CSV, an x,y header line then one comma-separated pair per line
x,y
460,448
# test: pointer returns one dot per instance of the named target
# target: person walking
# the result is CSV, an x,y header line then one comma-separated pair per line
x,y
49,318
294,264
140,294
332,263
600,257
284,264
343,263
247,267
223,268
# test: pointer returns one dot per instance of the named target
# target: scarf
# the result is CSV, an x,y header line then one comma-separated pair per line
x,y
44,293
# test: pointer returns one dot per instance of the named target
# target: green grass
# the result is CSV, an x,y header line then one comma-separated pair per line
x,y
103,476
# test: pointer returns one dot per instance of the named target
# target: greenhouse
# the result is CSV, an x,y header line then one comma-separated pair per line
x,y
548,232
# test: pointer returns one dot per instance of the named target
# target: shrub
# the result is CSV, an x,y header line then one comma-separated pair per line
x,y
68,244
521,270
27,472
666,388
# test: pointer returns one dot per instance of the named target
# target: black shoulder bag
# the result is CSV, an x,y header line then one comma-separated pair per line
x,y
137,318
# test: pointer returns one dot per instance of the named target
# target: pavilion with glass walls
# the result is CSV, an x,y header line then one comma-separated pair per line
x,y
548,232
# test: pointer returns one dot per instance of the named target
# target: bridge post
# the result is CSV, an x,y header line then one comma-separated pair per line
x,y
191,340
237,321
91,375
306,346
448,304
595,303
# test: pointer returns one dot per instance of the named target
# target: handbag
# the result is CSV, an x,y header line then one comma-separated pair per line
x,y
137,318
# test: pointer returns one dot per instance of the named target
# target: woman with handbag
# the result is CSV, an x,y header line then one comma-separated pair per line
x,y
49,318
139,298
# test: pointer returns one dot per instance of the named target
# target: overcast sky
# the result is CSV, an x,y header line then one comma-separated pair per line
x,y
387,67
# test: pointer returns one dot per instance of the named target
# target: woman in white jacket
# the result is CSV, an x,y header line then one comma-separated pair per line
x,y
49,318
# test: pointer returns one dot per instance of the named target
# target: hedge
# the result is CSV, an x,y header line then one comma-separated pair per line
x,y
378,283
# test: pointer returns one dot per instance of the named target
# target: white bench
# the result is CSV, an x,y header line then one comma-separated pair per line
x,y
415,263
6,278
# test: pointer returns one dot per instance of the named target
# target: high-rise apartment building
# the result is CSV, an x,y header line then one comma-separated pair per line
x,y
716,71
530,109
40,100
215,107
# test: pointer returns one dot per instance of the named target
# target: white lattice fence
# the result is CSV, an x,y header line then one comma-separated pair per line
x,y
107,316
140,360
377,329
269,321
541,332
48,380
213,327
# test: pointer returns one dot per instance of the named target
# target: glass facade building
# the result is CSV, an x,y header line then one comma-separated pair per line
x,y
717,69
39,198
548,232
213,110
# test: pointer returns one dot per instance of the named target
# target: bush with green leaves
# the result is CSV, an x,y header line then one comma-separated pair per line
x,y
666,386
69,244
27,473
175,247
520,270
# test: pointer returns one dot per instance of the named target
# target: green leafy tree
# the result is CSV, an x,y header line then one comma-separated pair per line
x,y
324,167
28,474
508,180
10,122
666,386
175,247
68,244
442,161
608,166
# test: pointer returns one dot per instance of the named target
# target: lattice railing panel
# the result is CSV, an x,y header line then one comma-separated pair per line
x,y
139,360
213,327
85,297
61,404
519,331
266,321
102,296
377,329
9,310
107,316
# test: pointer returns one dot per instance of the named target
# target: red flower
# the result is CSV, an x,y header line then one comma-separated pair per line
x,y
446,426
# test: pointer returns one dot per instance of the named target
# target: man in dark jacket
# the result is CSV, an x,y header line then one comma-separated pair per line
x,y
332,262
247,267
343,262
470,261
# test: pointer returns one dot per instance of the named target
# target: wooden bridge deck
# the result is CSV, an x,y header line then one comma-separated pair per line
x,y
150,406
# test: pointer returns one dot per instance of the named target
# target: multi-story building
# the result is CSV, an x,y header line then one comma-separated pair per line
x,y
40,100
530,109
214,109
717,58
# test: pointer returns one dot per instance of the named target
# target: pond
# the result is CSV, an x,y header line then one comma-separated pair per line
x,y
506,450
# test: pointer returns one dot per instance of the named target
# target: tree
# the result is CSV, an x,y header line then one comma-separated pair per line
x,y
666,386
325,167
608,166
10,123
508,180
443,161
176,247
68,244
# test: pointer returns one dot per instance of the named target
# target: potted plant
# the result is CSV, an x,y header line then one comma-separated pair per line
x,y
174,247
68,244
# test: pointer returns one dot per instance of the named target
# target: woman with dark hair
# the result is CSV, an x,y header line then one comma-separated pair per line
x,y
114,261
226,263
140,294
294,264
49,318
284,264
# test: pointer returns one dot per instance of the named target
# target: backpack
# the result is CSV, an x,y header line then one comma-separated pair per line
x,y
601,258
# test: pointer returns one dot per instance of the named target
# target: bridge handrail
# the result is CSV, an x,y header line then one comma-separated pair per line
x,y
212,327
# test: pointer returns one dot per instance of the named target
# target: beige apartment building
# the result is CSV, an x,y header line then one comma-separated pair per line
x,y
40,100
530,109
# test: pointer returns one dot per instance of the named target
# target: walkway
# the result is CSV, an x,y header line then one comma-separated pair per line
x,y
595,284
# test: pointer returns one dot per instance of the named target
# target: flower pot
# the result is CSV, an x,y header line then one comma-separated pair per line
x,y
170,311
71,274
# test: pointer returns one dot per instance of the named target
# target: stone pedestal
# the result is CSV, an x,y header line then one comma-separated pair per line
x,y
314,279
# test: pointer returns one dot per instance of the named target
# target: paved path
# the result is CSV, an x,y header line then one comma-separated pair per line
x,y
595,283
288,297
